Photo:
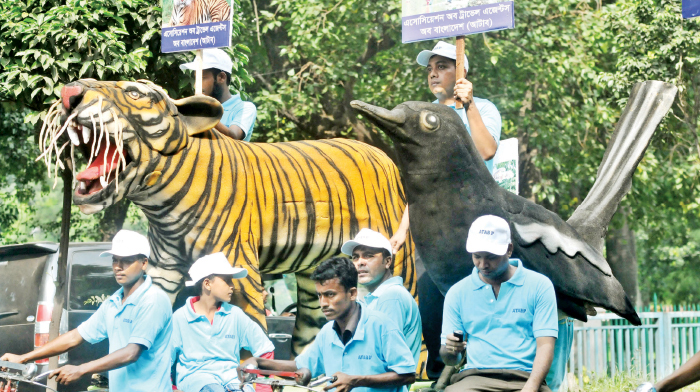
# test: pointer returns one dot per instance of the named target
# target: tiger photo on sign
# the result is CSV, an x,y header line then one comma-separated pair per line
x,y
190,12
272,208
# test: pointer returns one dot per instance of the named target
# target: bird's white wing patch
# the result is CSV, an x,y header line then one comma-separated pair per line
x,y
553,240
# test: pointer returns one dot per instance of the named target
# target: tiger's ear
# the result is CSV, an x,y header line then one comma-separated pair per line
x,y
199,113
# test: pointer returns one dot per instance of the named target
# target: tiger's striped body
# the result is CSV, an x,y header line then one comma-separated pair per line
x,y
189,12
271,208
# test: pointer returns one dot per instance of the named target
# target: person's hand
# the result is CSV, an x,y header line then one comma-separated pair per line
x,y
343,383
397,241
464,91
14,358
454,346
67,374
250,362
303,376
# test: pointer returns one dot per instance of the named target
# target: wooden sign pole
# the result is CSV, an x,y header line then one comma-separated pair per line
x,y
198,72
460,65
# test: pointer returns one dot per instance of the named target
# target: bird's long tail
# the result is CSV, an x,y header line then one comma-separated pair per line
x,y
648,103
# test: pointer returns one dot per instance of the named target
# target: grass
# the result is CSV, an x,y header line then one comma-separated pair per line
x,y
620,383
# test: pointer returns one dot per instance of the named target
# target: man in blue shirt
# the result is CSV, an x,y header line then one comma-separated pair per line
x,y
209,333
507,314
480,116
239,116
371,254
361,348
136,320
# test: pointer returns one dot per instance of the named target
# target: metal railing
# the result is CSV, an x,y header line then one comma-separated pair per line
x,y
608,344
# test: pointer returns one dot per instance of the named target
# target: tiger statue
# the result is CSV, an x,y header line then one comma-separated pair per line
x,y
269,207
189,12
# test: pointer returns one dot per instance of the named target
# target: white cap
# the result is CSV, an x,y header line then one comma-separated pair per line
x,y
489,233
128,243
214,264
441,49
212,58
366,237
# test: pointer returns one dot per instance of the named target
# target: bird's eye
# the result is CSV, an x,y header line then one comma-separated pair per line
x,y
429,122
133,94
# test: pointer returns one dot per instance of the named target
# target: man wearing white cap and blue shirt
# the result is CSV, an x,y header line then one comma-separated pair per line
x,y
136,320
507,314
209,332
372,257
239,116
480,116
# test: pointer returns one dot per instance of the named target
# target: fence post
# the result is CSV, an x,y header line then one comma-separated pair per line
x,y
667,342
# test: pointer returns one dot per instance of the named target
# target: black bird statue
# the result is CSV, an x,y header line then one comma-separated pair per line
x,y
448,187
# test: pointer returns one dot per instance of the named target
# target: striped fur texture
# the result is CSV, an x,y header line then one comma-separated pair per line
x,y
189,12
270,207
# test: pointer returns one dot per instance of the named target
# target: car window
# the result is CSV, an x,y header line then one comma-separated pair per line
x,y
283,293
91,280
20,283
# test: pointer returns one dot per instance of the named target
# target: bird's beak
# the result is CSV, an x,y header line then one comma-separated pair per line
x,y
389,121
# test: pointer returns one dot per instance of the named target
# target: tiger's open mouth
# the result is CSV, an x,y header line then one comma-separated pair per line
x,y
95,131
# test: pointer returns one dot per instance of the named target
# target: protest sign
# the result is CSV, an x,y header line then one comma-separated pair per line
x,y
433,19
505,165
690,8
195,24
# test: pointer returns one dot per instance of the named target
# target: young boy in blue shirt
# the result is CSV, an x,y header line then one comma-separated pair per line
x,y
209,333
136,320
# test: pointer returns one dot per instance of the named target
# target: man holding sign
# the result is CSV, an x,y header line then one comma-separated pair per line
x,y
480,116
239,115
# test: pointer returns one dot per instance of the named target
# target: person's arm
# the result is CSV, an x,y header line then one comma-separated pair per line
x,y
233,131
451,350
540,367
346,382
685,375
122,357
399,238
483,139
57,346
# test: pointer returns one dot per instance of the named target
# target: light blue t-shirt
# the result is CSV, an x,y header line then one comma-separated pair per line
x,y
501,333
145,319
489,115
376,347
209,353
241,113
395,302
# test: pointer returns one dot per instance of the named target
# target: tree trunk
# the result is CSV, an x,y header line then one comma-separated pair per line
x,y
113,219
622,255
59,298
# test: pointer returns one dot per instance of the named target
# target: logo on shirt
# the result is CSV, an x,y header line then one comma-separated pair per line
x,y
229,336
519,310
487,232
126,320
364,356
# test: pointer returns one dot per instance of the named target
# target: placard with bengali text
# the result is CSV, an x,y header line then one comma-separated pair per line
x,y
433,19
195,24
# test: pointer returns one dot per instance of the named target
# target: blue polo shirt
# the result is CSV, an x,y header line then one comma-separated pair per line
x,y
489,115
241,113
501,333
395,302
376,347
209,353
145,319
